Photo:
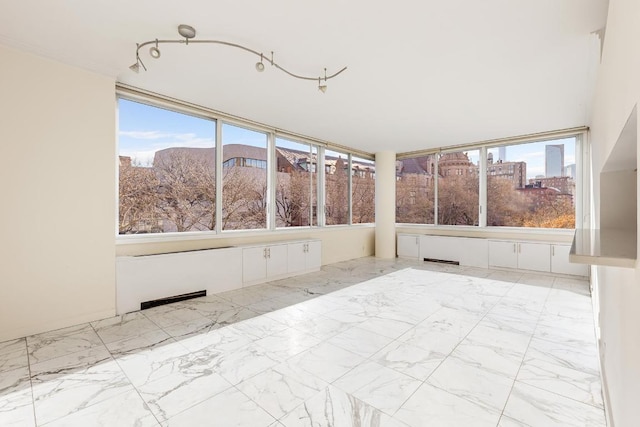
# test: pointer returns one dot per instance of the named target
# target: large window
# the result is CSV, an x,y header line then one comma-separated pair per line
x,y
336,183
415,180
458,188
244,181
532,185
363,188
296,184
166,170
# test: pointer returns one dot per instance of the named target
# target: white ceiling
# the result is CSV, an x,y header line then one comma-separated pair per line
x,y
421,74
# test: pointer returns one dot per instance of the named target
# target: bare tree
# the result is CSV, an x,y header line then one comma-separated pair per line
x,y
137,199
186,196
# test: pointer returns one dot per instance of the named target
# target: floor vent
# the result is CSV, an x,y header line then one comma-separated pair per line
x,y
169,300
442,261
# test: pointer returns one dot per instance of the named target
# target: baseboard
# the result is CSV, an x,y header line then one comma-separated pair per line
x,y
46,326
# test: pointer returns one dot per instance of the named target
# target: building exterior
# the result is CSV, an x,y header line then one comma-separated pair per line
x,y
554,160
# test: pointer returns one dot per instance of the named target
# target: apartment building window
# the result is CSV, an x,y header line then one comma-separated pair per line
x,y
336,182
166,170
537,189
415,178
244,185
458,188
296,183
363,188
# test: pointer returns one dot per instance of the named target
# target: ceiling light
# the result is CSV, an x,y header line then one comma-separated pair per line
x,y
154,51
187,33
321,87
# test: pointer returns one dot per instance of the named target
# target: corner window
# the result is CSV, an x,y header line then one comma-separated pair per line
x,y
166,170
532,185
244,183
363,188
336,188
296,184
415,180
458,188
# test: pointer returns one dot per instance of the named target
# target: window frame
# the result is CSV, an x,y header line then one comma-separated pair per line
x,y
582,181
220,119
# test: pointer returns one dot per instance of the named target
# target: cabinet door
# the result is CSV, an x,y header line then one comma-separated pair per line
x,y
473,252
503,254
560,262
276,261
440,247
254,264
534,256
297,257
409,246
314,255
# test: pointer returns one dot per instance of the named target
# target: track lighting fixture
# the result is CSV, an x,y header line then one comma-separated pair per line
x,y
260,65
187,33
154,51
323,87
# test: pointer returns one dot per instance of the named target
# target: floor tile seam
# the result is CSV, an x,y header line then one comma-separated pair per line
x,y
76,410
352,394
561,365
262,407
163,423
484,406
33,399
523,357
92,346
562,342
601,408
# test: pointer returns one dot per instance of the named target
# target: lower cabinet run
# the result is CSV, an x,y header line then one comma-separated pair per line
x,y
480,252
152,277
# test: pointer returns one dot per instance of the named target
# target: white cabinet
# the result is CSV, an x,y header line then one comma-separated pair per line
x,y
262,263
522,255
503,254
534,256
409,246
464,250
151,277
560,262
439,248
304,256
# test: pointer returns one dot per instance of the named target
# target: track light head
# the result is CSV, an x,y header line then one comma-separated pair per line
x,y
154,52
322,87
186,31
135,68
260,65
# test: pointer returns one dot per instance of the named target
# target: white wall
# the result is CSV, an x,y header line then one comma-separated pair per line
x,y
57,133
618,293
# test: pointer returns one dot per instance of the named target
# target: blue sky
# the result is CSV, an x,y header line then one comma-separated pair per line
x,y
144,129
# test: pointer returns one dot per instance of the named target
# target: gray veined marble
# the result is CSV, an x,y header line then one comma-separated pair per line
x,y
365,343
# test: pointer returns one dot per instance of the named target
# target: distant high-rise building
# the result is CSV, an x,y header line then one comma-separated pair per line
x,y
502,154
554,160
570,171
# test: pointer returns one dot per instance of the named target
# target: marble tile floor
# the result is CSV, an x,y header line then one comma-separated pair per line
x,y
366,342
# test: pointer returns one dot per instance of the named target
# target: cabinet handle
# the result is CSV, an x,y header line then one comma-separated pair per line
x,y
519,248
553,251
269,253
514,248
417,240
